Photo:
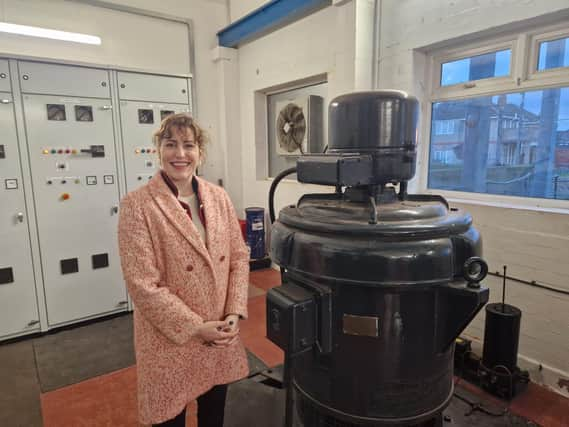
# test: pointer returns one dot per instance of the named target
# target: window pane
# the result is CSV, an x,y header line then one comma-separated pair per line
x,y
553,54
515,144
494,64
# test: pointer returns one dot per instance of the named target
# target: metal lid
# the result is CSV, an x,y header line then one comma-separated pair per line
x,y
332,214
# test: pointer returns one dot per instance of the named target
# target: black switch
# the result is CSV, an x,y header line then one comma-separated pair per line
x,y
100,261
98,150
70,265
95,150
6,276
2,152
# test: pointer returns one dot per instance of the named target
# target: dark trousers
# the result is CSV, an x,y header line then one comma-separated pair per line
x,y
211,410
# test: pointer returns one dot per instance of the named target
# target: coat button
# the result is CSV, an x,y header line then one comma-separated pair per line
x,y
189,267
222,258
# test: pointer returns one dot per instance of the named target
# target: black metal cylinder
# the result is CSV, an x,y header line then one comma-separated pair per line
x,y
501,336
381,123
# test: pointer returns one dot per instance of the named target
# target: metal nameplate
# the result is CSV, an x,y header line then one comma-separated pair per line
x,y
361,325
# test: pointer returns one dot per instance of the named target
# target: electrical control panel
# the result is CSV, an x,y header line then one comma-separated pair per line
x,y
71,148
18,302
144,102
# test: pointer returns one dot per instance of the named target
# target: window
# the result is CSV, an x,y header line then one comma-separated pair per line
x,y
553,54
488,65
507,137
444,127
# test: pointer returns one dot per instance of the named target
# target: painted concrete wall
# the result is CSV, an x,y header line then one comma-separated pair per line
x,y
533,244
239,8
133,41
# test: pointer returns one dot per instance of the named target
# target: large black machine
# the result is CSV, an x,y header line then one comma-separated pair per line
x,y
377,283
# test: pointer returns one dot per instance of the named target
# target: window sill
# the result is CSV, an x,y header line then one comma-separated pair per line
x,y
505,202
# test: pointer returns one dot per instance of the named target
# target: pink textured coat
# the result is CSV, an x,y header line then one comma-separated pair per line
x,y
177,283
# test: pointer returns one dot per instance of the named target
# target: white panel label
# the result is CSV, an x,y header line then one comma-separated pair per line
x,y
11,184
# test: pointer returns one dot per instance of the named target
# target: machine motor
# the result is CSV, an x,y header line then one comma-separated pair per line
x,y
377,283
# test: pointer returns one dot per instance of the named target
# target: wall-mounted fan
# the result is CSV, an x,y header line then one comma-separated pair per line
x,y
291,128
298,125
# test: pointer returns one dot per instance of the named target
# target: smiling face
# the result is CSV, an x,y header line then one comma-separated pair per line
x,y
179,155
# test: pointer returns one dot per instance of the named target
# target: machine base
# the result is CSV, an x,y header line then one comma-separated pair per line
x,y
315,414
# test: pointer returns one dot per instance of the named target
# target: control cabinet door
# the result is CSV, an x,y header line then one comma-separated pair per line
x,y
139,120
18,302
74,171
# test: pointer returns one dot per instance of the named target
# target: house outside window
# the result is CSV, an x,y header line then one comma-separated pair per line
x,y
499,122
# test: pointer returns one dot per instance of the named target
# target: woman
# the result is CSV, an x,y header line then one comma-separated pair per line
x,y
186,268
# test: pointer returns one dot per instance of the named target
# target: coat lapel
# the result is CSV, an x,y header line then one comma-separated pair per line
x,y
176,214
210,214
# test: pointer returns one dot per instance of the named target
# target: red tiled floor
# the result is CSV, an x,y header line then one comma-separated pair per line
x,y
542,406
107,400
253,334
265,279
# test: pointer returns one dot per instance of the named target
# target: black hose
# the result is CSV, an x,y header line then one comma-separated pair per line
x,y
273,188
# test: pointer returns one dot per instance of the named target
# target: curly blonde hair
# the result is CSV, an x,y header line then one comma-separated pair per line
x,y
179,122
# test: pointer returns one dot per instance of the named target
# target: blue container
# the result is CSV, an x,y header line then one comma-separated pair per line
x,y
256,231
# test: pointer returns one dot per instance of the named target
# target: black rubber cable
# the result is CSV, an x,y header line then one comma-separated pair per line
x,y
273,188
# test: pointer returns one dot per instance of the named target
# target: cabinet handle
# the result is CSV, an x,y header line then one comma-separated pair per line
x,y
106,107
33,322
20,216
122,302
114,210
5,101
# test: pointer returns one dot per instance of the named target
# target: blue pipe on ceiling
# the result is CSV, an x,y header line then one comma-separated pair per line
x,y
267,18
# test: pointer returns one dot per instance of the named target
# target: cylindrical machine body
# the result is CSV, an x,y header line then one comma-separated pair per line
x,y
398,301
501,336
384,126
255,218
388,277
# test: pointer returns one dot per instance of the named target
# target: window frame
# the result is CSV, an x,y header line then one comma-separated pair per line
x,y
552,74
472,86
523,77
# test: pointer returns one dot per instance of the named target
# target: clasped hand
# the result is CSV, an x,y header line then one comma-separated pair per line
x,y
219,333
